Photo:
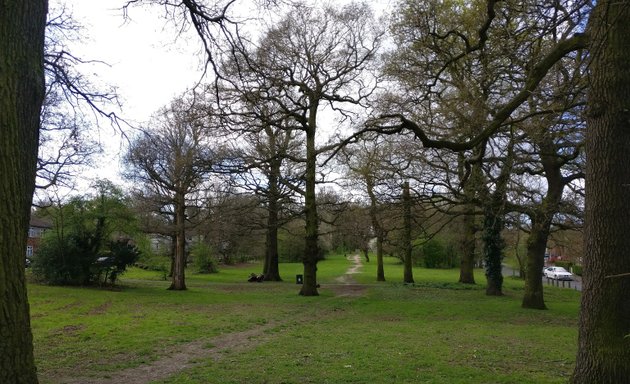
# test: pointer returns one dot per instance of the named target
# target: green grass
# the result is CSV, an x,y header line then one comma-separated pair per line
x,y
436,331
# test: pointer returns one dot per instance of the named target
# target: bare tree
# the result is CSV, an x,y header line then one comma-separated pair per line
x,y
170,161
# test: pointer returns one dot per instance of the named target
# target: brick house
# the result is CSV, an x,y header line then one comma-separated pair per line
x,y
36,229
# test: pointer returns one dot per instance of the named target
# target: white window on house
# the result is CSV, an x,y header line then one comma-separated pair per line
x,y
29,250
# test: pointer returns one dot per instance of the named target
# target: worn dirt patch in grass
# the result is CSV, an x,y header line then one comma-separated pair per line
x,y
101,309
183,356
347,285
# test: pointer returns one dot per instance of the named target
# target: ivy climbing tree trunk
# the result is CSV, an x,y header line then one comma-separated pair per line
x,y
21,94
493,224
493,245
603,341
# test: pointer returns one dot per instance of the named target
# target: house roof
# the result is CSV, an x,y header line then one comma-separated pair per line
x,y
38,222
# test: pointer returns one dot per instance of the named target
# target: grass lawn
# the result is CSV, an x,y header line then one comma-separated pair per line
x,y
231,331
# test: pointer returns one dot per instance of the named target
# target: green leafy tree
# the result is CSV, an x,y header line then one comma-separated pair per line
x,y
169,163
120,255
90,239
203,259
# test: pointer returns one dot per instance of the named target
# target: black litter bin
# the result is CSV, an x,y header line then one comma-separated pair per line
x,y
299,279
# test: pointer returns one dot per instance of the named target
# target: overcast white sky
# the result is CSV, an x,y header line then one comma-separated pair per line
x,y
148,63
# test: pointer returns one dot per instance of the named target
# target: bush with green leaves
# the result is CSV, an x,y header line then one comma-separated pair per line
x,y
435,253
81,247
290,247
67,261
63,261
114,262
202,258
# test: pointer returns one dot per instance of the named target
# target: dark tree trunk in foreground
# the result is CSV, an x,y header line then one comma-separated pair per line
x,y
604,342
178,280
408,262
21,94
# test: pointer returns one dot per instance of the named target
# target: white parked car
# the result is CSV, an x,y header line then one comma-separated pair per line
x,y
557,273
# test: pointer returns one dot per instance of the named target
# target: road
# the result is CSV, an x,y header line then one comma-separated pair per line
x,y
575,284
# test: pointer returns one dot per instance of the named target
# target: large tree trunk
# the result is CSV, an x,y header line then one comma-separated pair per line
x,y
407,246
493,250
541,225
604,342
21,93
178,280
271,269
474,184
311,255
536,244
467,265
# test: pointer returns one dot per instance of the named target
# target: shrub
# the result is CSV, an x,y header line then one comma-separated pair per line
x,y
121,254
71,260
290,247
203,259
564,264
434,254
63,261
